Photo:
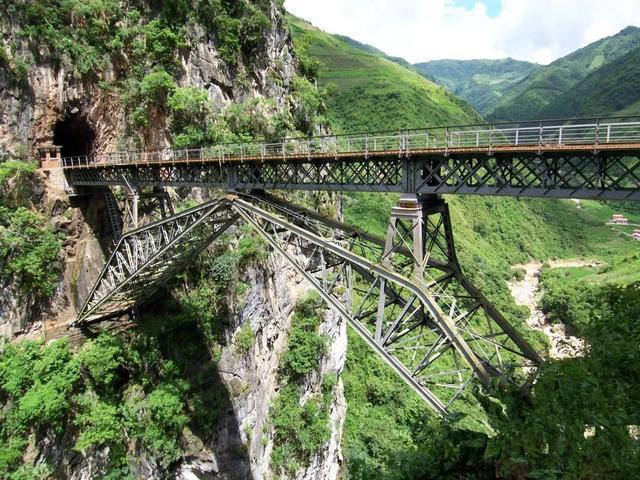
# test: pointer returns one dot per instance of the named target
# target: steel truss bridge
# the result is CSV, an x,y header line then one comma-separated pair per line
x,y
567,159
405,294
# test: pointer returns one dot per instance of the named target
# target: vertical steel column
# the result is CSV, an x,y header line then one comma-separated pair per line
x,y
439,234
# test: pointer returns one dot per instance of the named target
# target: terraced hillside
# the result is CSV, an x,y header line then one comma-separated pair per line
x,y
369,91
612,89
480,82
530,98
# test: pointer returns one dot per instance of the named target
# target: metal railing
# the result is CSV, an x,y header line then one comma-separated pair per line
x,y
548,134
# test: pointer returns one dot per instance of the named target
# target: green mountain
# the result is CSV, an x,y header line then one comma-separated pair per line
x,y
480,82
370,48
612,89
367,90
529,98
388,434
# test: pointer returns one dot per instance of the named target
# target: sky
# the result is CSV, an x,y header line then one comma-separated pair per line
x,y
420,30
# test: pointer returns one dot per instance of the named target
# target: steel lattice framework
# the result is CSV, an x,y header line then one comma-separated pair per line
x,y
147,257
405,296
584,158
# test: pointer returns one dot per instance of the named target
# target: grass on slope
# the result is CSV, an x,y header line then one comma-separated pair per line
x,y
528,99
612,89
481,82
370,92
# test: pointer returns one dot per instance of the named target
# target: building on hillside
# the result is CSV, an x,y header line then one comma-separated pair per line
x,y
618,219
636,235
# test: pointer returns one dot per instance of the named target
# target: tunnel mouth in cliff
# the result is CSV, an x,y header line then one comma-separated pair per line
x,y
74,134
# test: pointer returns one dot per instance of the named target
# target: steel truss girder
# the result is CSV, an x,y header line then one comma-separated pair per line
x,y
429,334
604,175
436,340
573,174
147,257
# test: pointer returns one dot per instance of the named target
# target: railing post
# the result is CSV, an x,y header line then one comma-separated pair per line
x,y
540,138
446,141
597,132
491,138
560,137
608,133
517,135
366,145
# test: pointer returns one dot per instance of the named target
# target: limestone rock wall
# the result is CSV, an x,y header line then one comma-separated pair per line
x,y
252,381
242,442
31,108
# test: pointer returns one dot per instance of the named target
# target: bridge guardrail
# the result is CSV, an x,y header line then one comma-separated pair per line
x,y
542,134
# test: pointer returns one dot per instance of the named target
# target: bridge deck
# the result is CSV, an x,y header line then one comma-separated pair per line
x,y
571,159
205,156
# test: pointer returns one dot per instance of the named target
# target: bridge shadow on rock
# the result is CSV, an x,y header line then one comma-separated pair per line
x,y
185,339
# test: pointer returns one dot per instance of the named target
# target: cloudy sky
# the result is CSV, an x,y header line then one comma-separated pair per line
x,y
418,30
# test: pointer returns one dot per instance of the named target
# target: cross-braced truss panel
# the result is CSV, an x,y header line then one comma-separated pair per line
x,y
145,258
434,332
434,329
579,175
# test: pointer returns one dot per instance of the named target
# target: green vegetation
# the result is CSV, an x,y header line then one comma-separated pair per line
x,y
611,89
299,430
389,433
29,246
300,426
367,91
29,250
84,36
545,436
480,82
530,97
13,168
46,387
306,345
244,338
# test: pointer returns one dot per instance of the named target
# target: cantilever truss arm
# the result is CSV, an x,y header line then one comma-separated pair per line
x,y
437,341
436,334
147,257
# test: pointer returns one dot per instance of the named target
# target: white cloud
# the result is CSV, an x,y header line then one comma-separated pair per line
x,y
420,30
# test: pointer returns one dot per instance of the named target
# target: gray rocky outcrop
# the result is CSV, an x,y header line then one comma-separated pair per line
x,y
242,442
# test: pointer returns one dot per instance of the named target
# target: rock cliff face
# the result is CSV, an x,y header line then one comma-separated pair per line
x,y
30,112
253,382
49,93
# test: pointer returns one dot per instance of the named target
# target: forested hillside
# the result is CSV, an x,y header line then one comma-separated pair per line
x,y
610,90
388,432
529,98
480,82
366,90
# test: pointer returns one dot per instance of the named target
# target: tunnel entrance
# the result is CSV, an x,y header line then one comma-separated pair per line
x,y
74,135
